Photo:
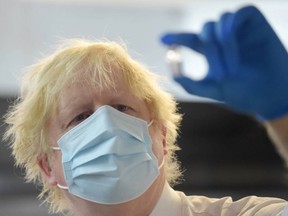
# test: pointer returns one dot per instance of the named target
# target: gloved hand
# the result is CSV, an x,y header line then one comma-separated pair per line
x,y
248,65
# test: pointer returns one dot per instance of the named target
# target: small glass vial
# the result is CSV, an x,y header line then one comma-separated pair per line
x,y
174,60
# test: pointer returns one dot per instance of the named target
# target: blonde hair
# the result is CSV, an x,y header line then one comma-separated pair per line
x,y
40,90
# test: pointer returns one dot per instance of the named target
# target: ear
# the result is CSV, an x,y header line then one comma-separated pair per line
x,y
45,168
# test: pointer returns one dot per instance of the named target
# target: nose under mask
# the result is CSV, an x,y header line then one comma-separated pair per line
x,y
108,158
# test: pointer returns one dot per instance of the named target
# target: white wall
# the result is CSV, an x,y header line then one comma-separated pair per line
x,y
29,28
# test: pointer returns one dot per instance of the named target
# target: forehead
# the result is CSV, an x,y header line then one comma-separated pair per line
x,y
98,86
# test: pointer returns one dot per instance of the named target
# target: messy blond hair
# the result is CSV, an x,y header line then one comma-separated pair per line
x,y
42,84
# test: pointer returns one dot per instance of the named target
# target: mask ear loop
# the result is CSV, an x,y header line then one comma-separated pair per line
x,y
150,123
62,187
163,161
57,148
162,164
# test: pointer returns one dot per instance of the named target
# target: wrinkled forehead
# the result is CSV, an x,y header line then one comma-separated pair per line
x,y
110,79
100,78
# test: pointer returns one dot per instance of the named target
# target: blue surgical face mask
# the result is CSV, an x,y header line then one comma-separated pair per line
x,y
108,158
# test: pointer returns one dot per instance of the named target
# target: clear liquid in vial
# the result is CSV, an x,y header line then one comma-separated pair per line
x,y
174,60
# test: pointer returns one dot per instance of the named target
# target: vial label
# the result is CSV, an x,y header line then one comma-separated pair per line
x,y
183,61
174,60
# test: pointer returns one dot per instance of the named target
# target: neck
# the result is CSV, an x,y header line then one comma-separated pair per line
x,y
141,206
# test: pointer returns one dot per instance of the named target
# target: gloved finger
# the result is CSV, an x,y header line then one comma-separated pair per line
x,y
226,38
207,89
190,40
213,52
224,27
247,18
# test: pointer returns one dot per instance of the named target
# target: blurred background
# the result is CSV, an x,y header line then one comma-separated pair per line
x,y
224,153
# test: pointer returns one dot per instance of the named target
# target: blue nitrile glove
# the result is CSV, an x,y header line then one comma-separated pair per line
x,y
248,65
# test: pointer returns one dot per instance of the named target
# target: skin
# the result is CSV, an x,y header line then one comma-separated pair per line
x,y
277,130
75,104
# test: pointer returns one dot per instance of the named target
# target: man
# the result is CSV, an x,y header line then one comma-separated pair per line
x,y
95,129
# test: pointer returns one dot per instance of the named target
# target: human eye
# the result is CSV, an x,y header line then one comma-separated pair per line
x,y
79,118
122,107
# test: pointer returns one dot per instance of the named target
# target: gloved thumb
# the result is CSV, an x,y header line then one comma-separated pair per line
x,y
203,88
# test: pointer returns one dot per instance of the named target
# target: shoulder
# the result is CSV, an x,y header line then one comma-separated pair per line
x,y
248,206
